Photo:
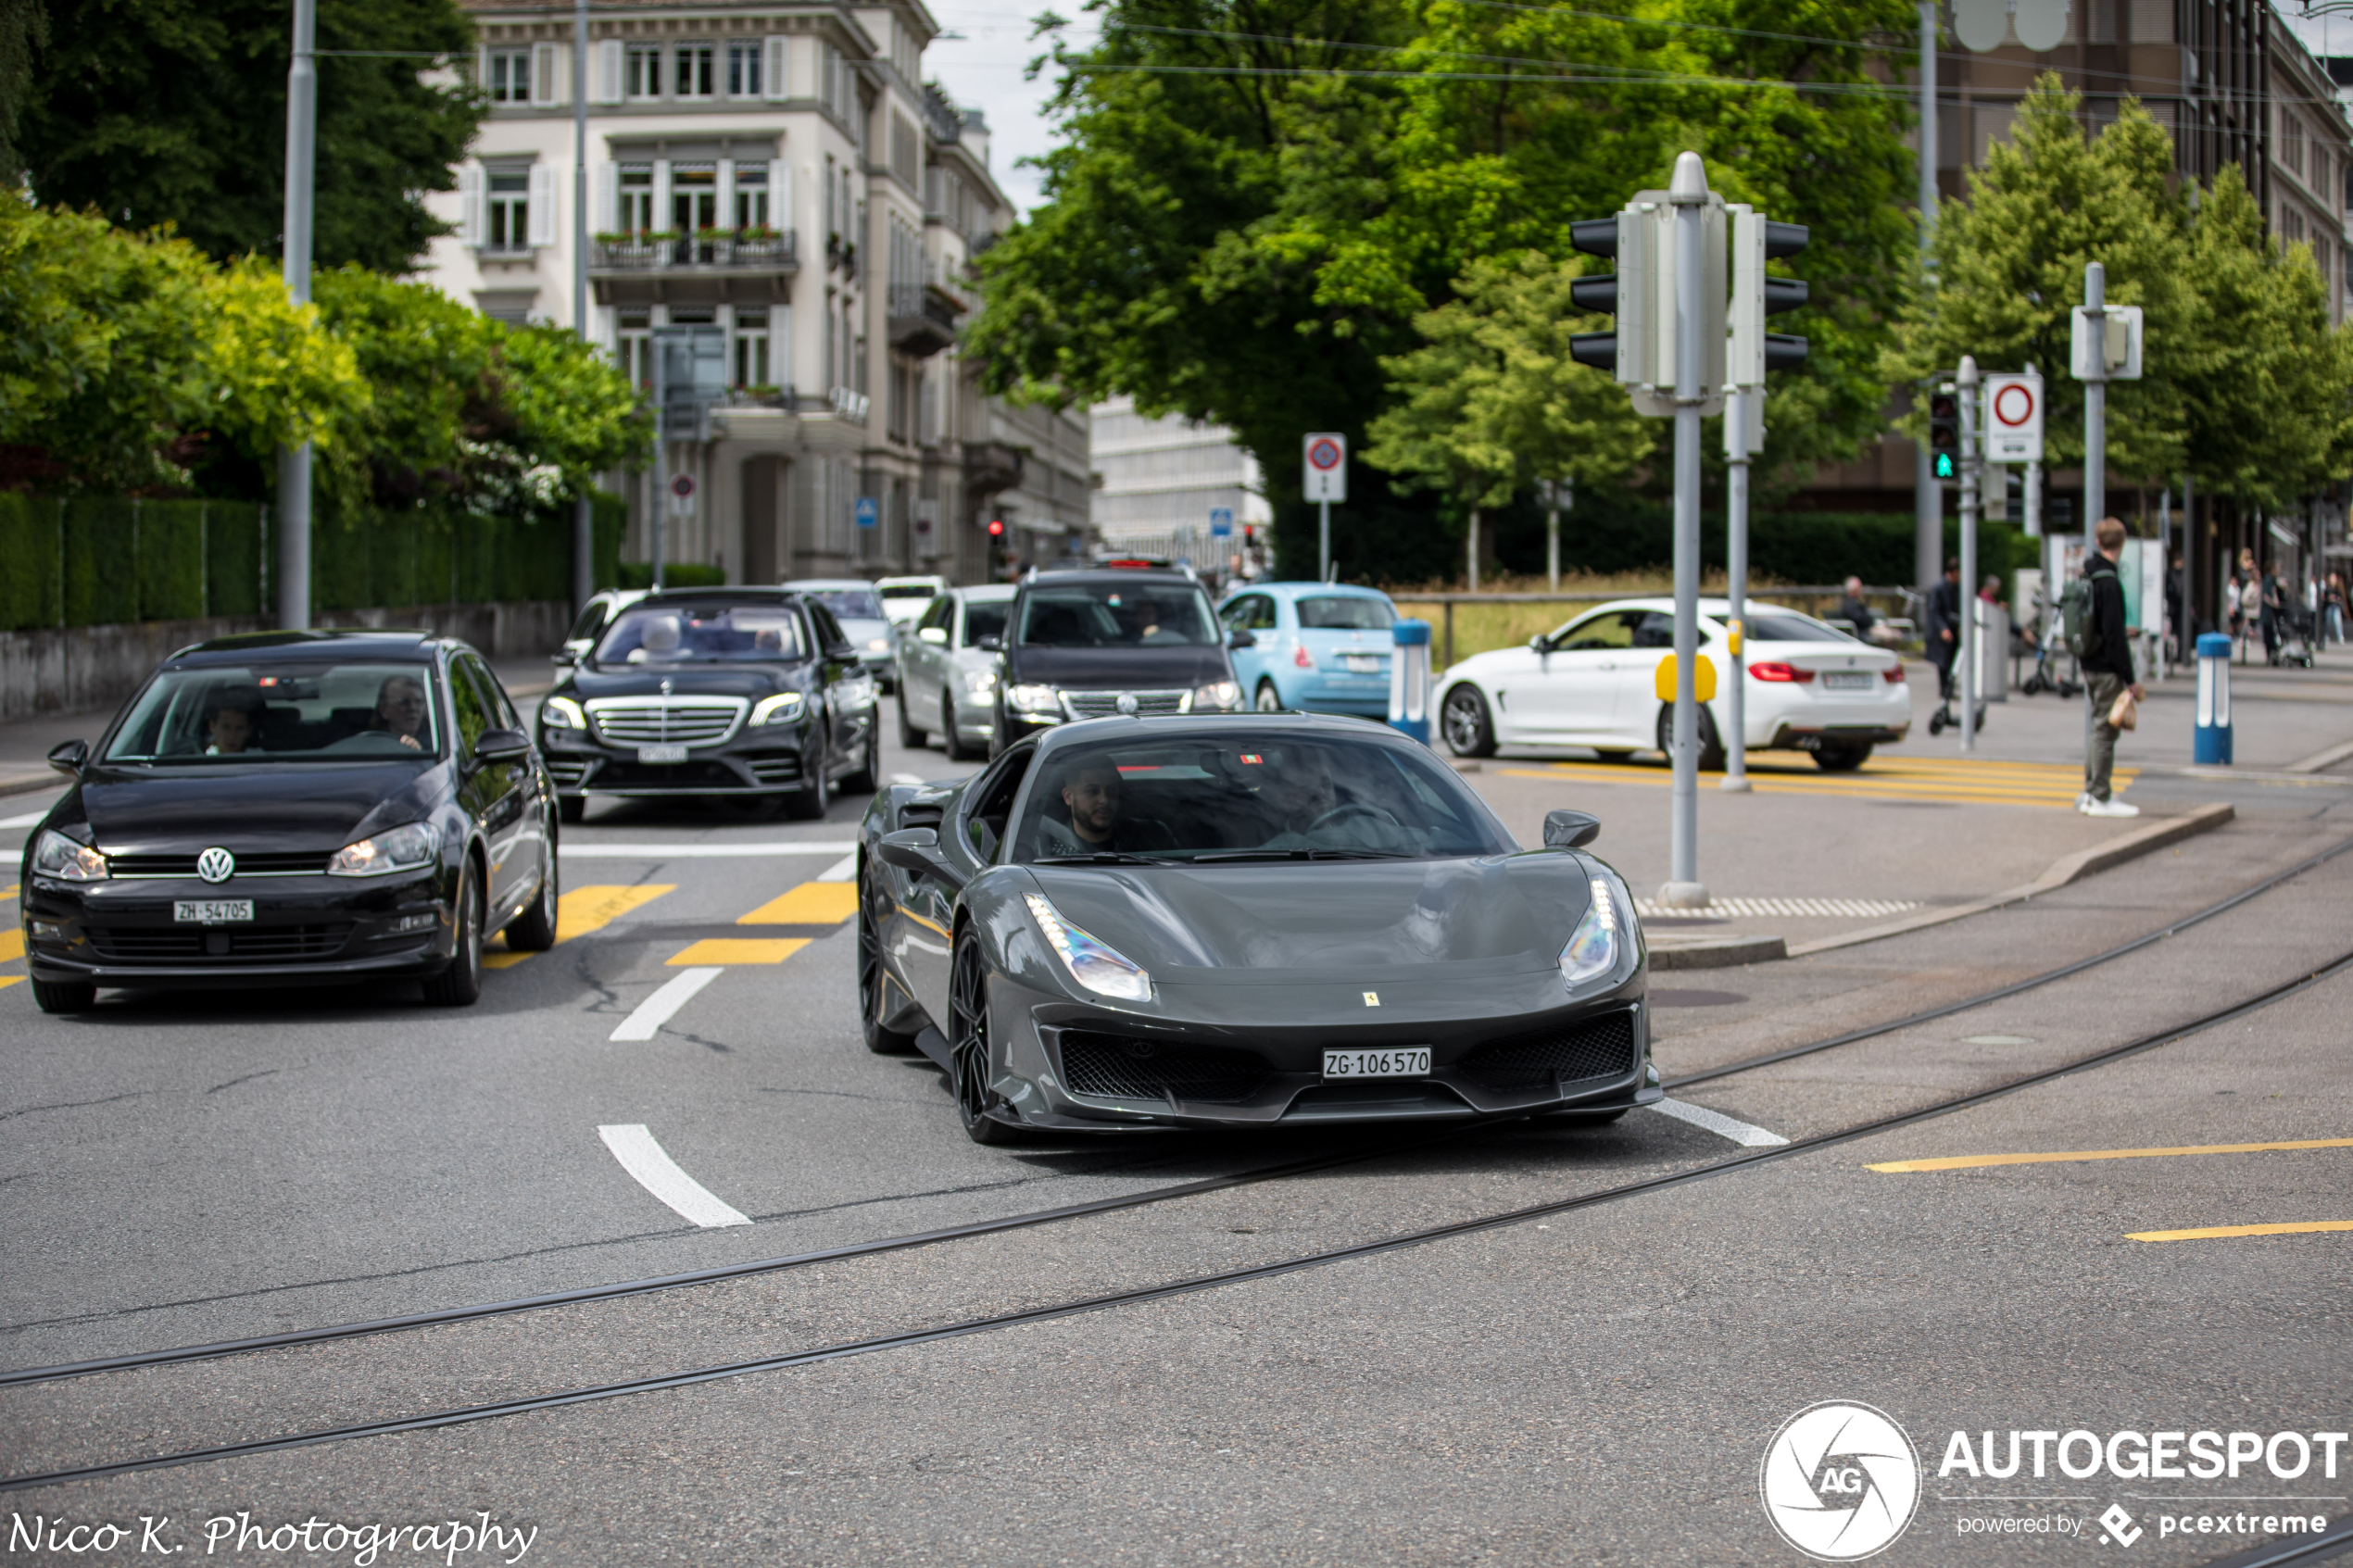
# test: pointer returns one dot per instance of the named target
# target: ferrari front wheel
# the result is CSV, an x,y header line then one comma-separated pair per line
x,y
968,1037
873,994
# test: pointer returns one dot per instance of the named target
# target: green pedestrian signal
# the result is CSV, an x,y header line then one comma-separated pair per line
x,y
1945,435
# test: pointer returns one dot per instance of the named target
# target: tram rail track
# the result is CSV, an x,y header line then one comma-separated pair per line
x,y
586,1294
1193,1284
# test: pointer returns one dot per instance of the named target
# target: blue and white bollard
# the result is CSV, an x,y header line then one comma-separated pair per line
x,y
2213,732
1409,680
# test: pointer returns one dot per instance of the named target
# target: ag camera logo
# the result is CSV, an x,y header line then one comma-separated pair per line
x,y
1840,1481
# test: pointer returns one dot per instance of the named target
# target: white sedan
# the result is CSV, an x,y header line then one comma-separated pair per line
x,y
1594,683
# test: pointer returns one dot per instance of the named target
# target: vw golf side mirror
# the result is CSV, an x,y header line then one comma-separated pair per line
x,y
502,745
69,757
1570,830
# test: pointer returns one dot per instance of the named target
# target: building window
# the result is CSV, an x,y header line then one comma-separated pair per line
x,y
751,195
507,76
743,68
637,214
633,345
697,67
641,76
751,346
508,218
694,199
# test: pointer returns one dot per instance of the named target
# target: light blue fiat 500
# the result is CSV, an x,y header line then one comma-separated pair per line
x,y
1320,647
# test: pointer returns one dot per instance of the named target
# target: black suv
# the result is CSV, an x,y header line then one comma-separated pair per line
x,y
1091,644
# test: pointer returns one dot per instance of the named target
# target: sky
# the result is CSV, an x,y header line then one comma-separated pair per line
x,y
983,69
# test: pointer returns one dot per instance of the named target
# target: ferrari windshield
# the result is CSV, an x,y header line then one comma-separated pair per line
x,y
716,634
1116,615
1251,795
289,712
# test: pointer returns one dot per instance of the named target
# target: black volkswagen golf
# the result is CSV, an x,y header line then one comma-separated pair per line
x,y
294,808
748,693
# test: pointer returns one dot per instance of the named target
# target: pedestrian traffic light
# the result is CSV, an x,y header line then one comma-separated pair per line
x,y
1944,433
1756,239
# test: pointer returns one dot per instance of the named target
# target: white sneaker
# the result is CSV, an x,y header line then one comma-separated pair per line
x,y
2110,808
2084,800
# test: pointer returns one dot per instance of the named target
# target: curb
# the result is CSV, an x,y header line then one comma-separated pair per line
x,y
2321,759
24,784
1713,952
2063,871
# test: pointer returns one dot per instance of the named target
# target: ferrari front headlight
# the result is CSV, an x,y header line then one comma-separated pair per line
x,y
394,849
1093,964
1593,947
561,714
1218,697
60,857
782,708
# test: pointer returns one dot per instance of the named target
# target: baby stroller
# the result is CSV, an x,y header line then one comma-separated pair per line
x,y
2295,635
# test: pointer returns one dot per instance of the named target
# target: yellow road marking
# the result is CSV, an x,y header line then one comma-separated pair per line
x,y
1971,1162
2207,1233
813,903
740,949
12,945
9,980
1989,783
585,910
9,892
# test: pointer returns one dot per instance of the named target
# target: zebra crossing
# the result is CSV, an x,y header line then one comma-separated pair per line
x,y
1784,909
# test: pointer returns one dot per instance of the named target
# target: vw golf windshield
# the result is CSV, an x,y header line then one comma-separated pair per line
x,y
283,713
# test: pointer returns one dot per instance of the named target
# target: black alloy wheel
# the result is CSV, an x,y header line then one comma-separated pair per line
x,y
952,743
880,1039
867,778
1465,721
909,736
1711,745
459,985
534,931
64,995
1841,756
809,802
1268,700
968,1037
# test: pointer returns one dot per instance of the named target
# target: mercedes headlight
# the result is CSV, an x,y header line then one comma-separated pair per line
x,y
1593,947
562,713
1092,963
1218,697
60,857
1029,699
782,708
394,849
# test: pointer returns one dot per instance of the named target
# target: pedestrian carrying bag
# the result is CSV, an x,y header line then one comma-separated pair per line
x,y
2124,713
2078,630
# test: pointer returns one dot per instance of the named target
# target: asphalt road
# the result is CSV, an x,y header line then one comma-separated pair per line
x,y
1593,1385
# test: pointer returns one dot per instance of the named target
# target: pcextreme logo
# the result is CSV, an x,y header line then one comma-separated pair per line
x,y
1840,1481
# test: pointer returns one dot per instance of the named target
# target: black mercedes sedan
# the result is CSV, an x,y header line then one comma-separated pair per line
x,y
1247,921
749,693
295,808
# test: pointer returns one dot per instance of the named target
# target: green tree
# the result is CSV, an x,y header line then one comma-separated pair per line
x,y
174,112
2010,259
24,26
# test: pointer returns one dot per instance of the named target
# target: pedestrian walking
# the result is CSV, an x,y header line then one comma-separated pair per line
x,y
2270,601
1854,613
2246,603
2333,606
2107,660
1945,627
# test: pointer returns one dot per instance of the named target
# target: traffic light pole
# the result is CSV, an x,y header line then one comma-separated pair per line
x,y
2095,400
293,462
1688,194
583,517
1927,493
1969,469
660,532
1736,455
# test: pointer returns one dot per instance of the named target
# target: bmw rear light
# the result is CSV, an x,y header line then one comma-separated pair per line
x,y
1894,673
1776,669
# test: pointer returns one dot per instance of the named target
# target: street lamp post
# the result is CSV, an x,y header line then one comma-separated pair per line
x,y
583,518
293,462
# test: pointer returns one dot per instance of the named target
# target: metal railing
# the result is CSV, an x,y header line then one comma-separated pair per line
x,y
649,254
1806,597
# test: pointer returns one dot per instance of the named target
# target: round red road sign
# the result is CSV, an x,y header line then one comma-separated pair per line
x,y
683,486
2014,404
1323,454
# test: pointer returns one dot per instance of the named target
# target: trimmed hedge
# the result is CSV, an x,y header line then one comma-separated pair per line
x,y
102,560
677,574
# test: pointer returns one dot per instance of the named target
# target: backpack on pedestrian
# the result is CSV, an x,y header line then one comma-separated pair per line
x,y
2077,627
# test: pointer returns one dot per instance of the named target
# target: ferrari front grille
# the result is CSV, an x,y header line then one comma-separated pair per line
x,y
1593,1048
1103,705
665,721
1128,1067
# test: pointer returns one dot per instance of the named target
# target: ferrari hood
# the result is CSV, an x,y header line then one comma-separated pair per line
x,y
1504,914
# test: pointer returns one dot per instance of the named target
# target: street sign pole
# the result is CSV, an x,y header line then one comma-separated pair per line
x,y
1970,468
583,518
293,462
661,455
2095,399
1687,192
1323,539
1927,493
1736,455
1323,480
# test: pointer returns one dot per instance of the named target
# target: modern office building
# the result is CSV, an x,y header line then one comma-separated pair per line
x,y
1162,480
774,188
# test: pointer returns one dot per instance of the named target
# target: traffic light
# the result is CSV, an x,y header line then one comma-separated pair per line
x,y
1756,239
1596,236
996,528
1944,433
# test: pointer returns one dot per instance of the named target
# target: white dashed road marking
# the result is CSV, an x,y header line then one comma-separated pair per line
x,y
840,870
24,821
1750,908
658,1175
905,778
1721,1124
650,1015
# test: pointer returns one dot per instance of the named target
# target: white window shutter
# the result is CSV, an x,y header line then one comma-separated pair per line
x,y
607,216
470,204
780,196
609,63
543,204
481,66
543,74
775,57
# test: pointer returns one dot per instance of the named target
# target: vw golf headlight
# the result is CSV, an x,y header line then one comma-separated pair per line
x,y
1092,963
782,708
60,857
1594,946
562,713
1218,697
394,849
1029,699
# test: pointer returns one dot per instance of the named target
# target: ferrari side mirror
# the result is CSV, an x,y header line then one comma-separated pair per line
x,y
1570,830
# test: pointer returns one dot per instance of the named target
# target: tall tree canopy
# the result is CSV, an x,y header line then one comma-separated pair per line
x,y
1253,199
174,112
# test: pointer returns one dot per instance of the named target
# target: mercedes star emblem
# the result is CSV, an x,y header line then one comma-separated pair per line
x,y
215,864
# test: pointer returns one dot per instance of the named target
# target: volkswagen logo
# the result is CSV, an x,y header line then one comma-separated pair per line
x,y
1127,702
215,864
1840,1481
